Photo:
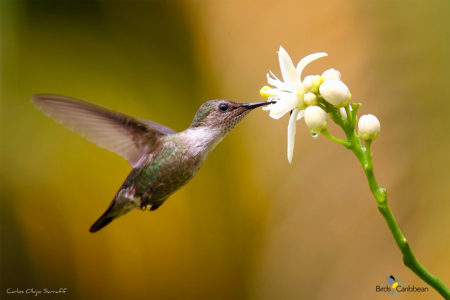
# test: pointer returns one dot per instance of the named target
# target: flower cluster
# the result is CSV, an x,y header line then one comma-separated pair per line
x,y
314,98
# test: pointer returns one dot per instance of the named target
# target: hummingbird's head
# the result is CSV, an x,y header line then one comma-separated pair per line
x,y
223,114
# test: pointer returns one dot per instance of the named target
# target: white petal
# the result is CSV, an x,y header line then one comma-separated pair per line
x,y
288,71
286,103
301,114
291,134
307,59
276,82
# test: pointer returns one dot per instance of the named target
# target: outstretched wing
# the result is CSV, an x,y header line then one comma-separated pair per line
x,y
129,137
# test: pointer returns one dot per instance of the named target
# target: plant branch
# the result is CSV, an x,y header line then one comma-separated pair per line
x,y
364,155
327,134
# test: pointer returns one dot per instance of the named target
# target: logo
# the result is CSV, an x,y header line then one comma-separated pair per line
x,y
394,285
394,282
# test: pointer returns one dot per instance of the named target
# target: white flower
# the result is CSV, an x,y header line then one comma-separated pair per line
x,y
331,74
335,92
288,93
315,118
368,127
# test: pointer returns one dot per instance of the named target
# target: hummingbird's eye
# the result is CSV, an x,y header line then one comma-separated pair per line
x,y
223,107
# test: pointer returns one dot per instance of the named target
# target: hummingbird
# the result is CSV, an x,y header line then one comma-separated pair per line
x,y
162,160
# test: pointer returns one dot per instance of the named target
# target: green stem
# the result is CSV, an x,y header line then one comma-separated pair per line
x,y
349,114
365,157
335,139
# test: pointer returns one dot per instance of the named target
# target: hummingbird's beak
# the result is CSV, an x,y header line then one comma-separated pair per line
x,y
256,104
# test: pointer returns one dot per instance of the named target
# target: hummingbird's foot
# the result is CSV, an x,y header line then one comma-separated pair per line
x,y
145,205
145,201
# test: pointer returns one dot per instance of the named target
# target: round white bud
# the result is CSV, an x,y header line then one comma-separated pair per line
x,y
310,99
343,113
311,82
368,127
335,92
331,74
315,118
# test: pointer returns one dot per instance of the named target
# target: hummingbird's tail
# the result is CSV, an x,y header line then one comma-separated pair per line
x,y
118,207
101,222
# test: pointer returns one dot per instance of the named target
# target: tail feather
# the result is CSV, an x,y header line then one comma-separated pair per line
x,y
106,218
121,204
100,223
118,207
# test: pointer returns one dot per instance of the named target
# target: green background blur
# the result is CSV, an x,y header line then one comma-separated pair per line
x,y
249,226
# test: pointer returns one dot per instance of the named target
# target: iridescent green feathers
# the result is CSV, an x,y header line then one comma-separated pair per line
x,y
162,160
202,113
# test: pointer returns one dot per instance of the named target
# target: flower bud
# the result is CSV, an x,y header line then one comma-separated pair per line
x,y
343,113
311,83
315,118
368,127
310,99
331,74
335,92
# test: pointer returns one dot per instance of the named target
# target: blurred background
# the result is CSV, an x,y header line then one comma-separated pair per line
x,y
249,226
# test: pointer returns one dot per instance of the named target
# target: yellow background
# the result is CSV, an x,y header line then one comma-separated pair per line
x,y
249,226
